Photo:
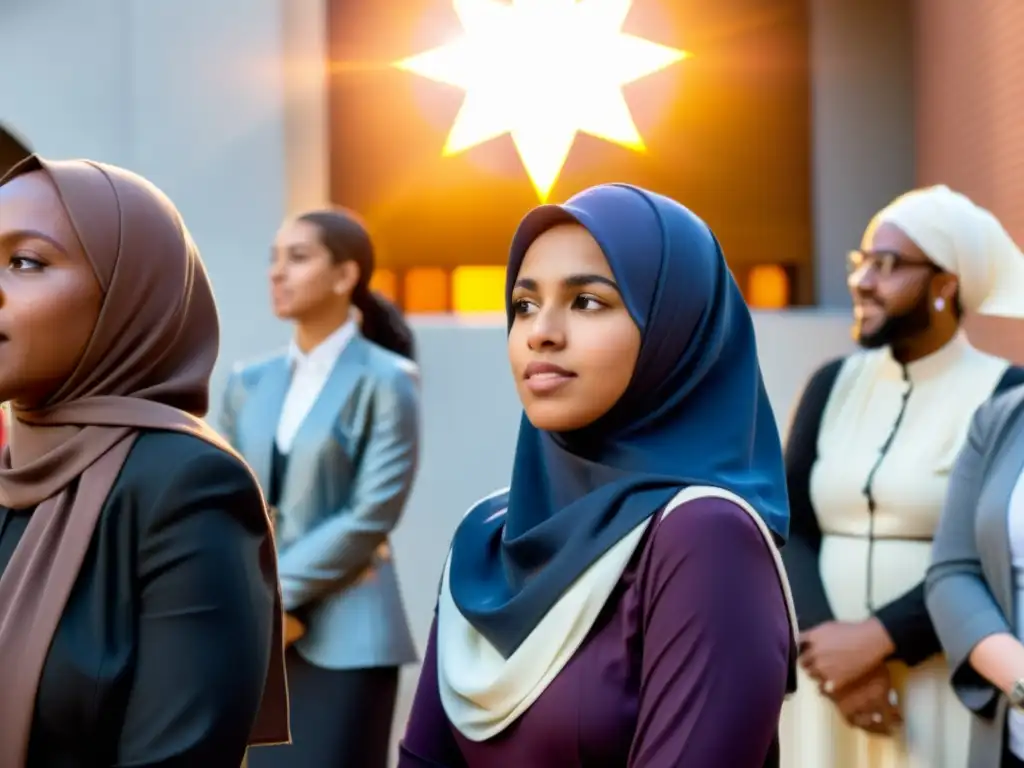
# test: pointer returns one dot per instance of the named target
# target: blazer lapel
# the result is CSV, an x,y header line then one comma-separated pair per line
x,y
1002,474
264,411
318,426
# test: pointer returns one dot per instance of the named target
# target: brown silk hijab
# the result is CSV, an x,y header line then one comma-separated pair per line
x,y
147,366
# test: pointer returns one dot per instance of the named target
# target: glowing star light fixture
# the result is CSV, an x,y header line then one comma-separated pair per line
x,y
542,70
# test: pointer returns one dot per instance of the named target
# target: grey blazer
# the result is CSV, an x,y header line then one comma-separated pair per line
x,y
348,475
969,587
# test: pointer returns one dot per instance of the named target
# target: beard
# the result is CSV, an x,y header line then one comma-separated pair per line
x,y
897,328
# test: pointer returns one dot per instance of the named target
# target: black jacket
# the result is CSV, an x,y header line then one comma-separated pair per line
x,y
161,655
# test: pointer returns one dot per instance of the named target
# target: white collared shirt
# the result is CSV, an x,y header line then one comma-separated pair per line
x,y
309,377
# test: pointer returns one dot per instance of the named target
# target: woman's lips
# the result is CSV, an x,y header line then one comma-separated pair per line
x,y
544,378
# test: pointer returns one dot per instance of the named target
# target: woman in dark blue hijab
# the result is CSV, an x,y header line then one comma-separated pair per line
x,y
623,603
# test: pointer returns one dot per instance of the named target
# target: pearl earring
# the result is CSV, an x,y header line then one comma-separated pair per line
x,y
940,304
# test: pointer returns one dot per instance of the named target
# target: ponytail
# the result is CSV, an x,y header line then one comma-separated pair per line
x,y
345,237
383,324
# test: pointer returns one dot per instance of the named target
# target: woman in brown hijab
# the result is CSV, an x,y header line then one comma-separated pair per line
x,y
140,620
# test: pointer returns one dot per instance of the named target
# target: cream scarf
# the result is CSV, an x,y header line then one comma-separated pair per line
x,y
483,693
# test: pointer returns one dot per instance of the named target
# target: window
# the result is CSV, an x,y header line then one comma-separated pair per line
x,y
478,289
767,287
426,290
385,282
727,132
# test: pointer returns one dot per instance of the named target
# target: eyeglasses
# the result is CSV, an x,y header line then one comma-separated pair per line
x,y
883,263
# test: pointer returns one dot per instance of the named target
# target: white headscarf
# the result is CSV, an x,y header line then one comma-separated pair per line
x,y
966,240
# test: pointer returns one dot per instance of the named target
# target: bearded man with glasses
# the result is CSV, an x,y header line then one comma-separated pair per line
x,y
868,457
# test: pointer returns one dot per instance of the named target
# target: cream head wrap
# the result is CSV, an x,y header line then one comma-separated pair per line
x,y
966,240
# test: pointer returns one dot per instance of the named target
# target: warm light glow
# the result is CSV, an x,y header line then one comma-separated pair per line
x,y
478,289
542,70
385,282
426,290
768,287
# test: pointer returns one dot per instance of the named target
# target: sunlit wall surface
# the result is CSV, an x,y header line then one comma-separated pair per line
x,y
970,121
726,131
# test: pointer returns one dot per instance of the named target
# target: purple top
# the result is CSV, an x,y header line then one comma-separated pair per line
x,y
686,666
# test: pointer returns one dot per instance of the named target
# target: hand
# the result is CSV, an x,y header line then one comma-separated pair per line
x,y
870,703
293,629
838,652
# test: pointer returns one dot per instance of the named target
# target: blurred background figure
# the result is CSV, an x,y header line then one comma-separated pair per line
x,y
331,428
974,585
868,460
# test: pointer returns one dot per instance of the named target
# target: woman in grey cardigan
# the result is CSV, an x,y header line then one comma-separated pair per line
x,y
975,585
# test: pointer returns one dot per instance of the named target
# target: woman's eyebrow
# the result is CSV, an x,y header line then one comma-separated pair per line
x,y
572,281
579,281
18,235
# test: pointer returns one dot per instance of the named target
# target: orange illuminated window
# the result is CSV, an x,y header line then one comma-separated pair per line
x,y
768,287
478,289
385,282
426,290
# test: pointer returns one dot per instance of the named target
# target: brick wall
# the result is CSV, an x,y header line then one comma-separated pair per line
x,y
969,70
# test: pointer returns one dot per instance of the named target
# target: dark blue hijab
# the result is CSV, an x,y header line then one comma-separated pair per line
x,y
694,413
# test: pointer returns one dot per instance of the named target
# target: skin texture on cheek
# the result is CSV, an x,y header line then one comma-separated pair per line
x,y
305,281
892,304
299,272
901,310
50,298
569,315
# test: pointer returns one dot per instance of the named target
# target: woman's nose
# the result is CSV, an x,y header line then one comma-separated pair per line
x,y
548,330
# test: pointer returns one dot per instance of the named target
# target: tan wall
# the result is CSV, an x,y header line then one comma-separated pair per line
x,y
970,119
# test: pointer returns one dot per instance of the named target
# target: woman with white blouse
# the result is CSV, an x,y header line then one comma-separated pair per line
x,y
975,585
